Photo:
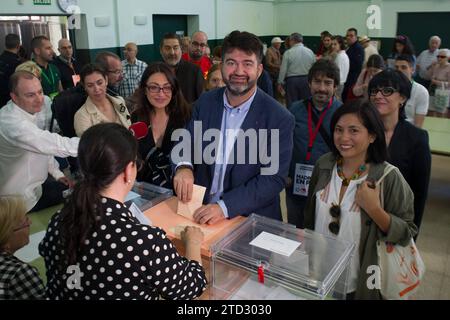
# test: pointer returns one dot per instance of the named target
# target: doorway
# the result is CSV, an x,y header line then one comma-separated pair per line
x,y
163,24
28,27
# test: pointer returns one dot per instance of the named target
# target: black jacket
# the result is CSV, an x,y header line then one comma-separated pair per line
x,y
409,151
190,78
66,71
8,64
64,107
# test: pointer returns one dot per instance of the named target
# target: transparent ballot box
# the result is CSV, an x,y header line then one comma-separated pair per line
x,y
265,259
145,195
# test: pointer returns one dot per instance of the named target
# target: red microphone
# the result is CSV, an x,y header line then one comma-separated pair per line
x,y
139,130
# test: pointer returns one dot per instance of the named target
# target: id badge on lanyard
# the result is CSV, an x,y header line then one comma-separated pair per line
x,y
303,173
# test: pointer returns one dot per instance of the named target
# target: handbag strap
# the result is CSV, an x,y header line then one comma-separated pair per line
x,y
389,167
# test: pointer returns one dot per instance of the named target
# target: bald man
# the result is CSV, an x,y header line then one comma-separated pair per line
x,y
68,67
197,50
132,70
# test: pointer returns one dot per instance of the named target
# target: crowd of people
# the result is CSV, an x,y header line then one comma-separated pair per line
x,y
348,112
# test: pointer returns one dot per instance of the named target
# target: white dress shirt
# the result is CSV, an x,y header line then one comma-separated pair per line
x,y
27,154
343,63
418,103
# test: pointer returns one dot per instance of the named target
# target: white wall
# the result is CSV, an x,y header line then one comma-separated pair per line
x,y
254,16
218,17
310,17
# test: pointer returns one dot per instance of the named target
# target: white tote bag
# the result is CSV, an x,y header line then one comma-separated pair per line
x,y
402,267
441,99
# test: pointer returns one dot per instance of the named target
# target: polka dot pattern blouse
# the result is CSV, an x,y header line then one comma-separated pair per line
x,y
122,259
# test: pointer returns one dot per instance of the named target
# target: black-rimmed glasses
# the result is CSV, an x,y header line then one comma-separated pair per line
x,y
157,89
385,91
197,44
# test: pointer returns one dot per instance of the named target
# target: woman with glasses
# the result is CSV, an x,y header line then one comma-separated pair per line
x,y
99,107
439,73
408,146
95,249
162,107
18,280
344,200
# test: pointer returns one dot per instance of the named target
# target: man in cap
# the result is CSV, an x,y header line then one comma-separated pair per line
x,y
273,61
369,49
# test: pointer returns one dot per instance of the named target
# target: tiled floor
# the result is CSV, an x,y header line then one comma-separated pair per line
x,y
434,237
433,241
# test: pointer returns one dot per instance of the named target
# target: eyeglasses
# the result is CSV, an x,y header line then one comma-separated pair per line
x,y
157,89
201,45
25,224
385,91
442,57
116,72
335,212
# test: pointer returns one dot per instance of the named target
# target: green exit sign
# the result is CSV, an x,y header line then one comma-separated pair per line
x,y
42,2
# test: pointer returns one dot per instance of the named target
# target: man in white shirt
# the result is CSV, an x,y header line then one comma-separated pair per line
x,y
426,58
27,152
416,107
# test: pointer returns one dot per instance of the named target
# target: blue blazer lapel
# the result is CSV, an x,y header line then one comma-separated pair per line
x,y
215,120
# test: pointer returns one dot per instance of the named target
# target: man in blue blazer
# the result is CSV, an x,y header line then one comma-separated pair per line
x,y
252,136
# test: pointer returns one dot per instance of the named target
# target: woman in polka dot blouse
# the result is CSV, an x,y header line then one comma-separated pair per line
x,y
96,249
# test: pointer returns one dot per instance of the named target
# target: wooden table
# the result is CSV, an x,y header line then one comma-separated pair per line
x,y
439,132
164,216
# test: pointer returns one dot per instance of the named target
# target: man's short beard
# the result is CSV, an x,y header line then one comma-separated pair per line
x,y
195,56
250,86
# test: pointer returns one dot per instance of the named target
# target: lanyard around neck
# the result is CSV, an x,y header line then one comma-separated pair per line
x,y
52,83
313,132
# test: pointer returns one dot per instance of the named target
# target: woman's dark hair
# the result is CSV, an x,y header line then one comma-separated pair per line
x,y
404,40
217,52
90,69
370,118
178,109
341,42
326,68
395,79
375,61
104,152
245,41
214,68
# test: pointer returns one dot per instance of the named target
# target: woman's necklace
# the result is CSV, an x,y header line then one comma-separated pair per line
x,y
355,176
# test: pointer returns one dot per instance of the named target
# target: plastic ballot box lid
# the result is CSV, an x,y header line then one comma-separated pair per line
x,y
279,260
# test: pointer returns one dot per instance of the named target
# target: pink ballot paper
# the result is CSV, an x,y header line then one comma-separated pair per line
x,y
187,209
